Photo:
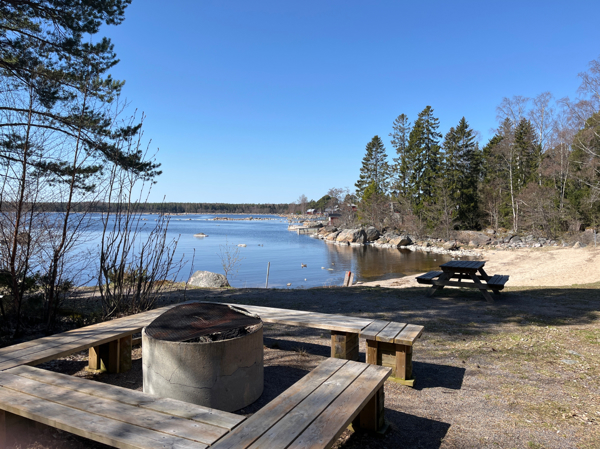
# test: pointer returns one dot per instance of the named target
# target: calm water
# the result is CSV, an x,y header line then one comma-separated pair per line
x,y
270,241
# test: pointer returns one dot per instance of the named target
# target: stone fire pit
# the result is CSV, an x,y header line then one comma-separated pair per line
x,y
204,353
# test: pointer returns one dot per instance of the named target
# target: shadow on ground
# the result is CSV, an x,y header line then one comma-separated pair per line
x,y
463,307
430,375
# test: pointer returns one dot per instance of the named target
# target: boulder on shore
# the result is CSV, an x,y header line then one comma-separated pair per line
x,y
352,236
208,279
372,234
400,240
477,238
451,245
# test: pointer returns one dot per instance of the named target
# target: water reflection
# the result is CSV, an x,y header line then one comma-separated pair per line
x,y
370,263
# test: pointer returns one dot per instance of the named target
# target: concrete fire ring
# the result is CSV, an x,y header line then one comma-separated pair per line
x,y
227,374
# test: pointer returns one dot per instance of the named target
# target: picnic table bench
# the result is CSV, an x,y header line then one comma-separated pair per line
x,y
454,272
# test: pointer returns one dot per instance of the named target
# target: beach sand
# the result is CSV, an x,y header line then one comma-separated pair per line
x,y
530,267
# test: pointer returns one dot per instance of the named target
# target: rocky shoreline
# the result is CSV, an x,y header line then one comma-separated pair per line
x,y
464,243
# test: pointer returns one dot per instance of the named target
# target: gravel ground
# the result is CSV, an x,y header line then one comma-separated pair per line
x,y
523,372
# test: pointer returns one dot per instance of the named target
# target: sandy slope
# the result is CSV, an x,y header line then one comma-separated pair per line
x,y
548,267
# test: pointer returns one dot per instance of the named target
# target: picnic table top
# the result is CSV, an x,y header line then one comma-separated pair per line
x,y
464,264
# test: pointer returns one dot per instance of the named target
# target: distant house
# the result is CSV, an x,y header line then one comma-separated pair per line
x,y
310,212
334,217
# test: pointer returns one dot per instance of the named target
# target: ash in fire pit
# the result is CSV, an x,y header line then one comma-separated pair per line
x,y
204,353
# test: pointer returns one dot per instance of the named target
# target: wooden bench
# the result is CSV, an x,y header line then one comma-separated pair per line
x,y
110,343
389,343
108,414
317,409
311,413
429,277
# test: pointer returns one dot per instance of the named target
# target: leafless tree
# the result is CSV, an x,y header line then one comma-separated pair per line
x,y
513,108
230,258
302,201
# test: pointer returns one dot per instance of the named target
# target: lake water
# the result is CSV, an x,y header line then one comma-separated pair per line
x,y
270,241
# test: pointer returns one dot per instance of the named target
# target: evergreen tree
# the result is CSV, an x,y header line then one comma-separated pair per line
x,y
423,154
375,168
401,169
56,79
527,153
461,172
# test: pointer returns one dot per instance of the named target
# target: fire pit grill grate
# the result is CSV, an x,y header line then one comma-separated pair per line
x,y
198,321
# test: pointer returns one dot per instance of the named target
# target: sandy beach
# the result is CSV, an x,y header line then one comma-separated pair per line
x,y
531,267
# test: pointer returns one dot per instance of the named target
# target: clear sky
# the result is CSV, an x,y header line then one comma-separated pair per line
x,y
263,101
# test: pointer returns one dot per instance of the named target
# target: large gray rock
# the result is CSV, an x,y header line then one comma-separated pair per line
x,y
372,234
352,236
478,238
451,245
208,279
401,240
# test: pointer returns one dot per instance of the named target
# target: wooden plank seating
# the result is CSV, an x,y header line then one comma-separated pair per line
x,y
106,339
108,414
454,272
311,413
388,343
315,411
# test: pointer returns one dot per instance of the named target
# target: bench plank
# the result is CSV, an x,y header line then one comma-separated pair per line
x,y
135,398
389,333
98,428
429,275
256,425
498,280
340,323
328,427
46,348
118,411
371,331
290,426
409,334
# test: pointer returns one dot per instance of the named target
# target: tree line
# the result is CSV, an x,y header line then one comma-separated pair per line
x,y
173,208
539,173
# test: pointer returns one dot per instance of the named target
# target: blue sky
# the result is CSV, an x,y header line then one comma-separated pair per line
x,y
263,101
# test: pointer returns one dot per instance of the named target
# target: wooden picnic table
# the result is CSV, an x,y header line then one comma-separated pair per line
x,y
455,272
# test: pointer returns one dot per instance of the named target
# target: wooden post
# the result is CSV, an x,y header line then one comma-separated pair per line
x,y
94,360
2,429
372,416
395,356
268,268
107,357
346,279
403,362
372,352
125,354
344,345
13,427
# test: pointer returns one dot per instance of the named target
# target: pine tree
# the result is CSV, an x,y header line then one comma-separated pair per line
x,y
375,168
423,154
462,169
528,153
401,169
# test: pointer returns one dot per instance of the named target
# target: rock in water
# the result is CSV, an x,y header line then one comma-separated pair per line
x,y
208,279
